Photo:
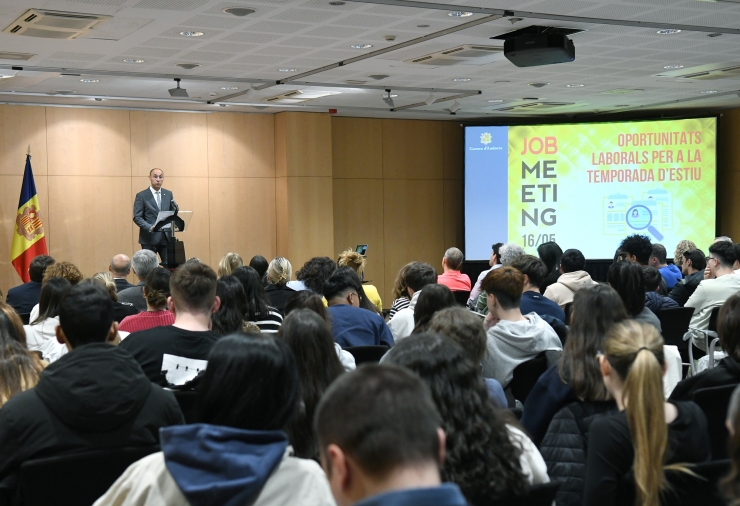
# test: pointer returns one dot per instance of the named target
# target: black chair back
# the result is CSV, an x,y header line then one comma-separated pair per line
x,y
568,309
538,495
712,325
186,400
461,297
526,375
25,318
714,402
76,479
675,323
367,354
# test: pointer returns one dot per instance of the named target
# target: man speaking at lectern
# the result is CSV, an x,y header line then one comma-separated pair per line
x,y
147,205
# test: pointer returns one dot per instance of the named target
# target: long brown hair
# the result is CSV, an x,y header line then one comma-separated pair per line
x,y
635,352
400,288
19,368
595,309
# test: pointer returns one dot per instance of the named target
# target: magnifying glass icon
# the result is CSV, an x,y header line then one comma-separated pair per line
x,y
639,217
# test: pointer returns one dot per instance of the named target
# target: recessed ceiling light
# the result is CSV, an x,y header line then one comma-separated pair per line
x,y
133,60
537,85
6,76
191,34
187,66
574,86
229,87
361,46
389,95
672,67
461,79
460,14
238,11
287,70
337,3
668,31
714,35
495,101
422,26
708,92
89,80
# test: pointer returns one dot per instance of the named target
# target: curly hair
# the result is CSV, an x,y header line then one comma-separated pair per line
x,y
66,270
350,258
481,458
315,272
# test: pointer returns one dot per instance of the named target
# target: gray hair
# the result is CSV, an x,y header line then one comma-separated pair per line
x,y
509,251
144,262
723,238
454,258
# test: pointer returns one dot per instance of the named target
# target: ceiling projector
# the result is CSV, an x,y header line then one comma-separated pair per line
x,y
178,92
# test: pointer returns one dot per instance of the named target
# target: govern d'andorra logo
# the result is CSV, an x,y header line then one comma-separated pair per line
x,y
485,138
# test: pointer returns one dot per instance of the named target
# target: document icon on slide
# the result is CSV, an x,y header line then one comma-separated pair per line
x,y
665,198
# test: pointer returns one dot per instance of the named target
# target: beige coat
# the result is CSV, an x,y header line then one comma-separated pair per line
x,y
567,285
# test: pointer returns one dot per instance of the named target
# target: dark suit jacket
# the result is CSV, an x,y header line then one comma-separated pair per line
x,y
22,298
145,214
122,284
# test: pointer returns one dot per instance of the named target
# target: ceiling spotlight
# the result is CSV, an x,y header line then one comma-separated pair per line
x,y
495,101
361,46
178,92
708,92
133,60
422,26
87,80
537,85
238,11
461,79
714,35
455,107
430,99
673,67
337,3
187,66
514,20
229,88
668,31
287,70
222,105
460,14
574,86
388,99
191,34
98,99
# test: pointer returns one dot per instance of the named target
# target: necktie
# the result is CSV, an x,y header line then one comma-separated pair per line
x,y
159,201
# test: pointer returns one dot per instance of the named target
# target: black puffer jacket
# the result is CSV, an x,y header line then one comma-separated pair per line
x,y
564,447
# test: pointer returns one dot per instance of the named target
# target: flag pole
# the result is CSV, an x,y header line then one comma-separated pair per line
x,y
28,153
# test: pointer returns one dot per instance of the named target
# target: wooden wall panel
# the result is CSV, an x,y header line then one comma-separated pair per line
x,y
242,217
175,142
281,145
84,142
453,214
89,221
19,127
357,147
412,149
241,145
452,148
730,206
282,228
729,174
308,147
413,227
310,219
358,219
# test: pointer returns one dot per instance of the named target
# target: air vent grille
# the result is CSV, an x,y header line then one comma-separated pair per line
x,y
54,24
467,54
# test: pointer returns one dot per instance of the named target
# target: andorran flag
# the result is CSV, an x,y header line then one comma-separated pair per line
x,y
28,236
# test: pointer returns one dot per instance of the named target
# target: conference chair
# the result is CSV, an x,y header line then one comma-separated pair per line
x,y
714,402
367,354
526,375
537,495
675,323
25,318
461,297
710,332
186,399
75,479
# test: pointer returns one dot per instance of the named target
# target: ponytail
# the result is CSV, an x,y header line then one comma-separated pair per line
x,y
635,351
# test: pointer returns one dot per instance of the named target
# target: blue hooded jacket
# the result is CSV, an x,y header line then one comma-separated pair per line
x,y
213,464
671,274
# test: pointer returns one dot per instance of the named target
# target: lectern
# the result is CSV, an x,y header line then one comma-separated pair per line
x,y
179,222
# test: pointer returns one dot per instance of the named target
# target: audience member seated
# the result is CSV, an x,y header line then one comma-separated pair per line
x,y
381,441
577,376
550,253
19,368
727,371
730,485
350,324
306,299
573,277
318,366
143,262
365,302
156,293
512,338
258,309
736,265
174,355
401,297
628,280
648,433
230,315
22,298
228,263
418,275
466,329
636,248
66,270
451,276
659,259
119,268
278,274
260,264
494,262
431,300
488,460
534,271
239,452
713,292
682,247
94,397
509,252
654,301
41,333
314,274
692,268
350,258
120,309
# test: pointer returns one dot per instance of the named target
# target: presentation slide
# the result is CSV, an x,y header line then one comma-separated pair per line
x,y
589,185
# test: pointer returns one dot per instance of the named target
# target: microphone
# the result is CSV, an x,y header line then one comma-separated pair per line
x,y
174,204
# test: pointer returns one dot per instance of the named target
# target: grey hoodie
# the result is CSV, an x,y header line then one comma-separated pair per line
x,y
512,343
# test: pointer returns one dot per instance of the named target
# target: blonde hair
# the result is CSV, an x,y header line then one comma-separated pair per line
x,y
228,263
635,352
400,288
105,279
350,258
279,271
681,248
